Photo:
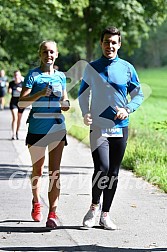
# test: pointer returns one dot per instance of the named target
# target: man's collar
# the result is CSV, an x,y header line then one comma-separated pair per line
x,y
108,60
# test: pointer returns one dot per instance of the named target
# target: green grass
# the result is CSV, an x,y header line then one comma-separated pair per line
x,y
153,112
146,150
147,145
7,99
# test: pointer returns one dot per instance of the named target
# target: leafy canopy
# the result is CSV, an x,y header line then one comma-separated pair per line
x,y
74,24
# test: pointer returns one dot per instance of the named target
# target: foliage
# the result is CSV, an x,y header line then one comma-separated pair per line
x,y
74,24
134,18
153,51
24,22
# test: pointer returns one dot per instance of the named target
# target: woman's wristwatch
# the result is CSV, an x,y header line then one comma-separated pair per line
x,y
127,110
66,103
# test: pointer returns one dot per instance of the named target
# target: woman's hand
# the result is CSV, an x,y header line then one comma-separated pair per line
x,y
19,89
46,91
26,99
65,105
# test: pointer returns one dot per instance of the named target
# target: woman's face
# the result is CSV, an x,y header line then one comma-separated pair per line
x,y
48,53
17,76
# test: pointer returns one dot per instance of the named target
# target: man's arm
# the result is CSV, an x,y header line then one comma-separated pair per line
x,y
135,92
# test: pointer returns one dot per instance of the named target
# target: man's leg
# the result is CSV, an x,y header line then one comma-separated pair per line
x,y
100,155
101,166
116,153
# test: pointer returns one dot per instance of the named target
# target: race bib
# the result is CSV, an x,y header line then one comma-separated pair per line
x,y
112,132
16,93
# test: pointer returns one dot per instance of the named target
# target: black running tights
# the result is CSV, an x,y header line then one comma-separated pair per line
x,y
107,156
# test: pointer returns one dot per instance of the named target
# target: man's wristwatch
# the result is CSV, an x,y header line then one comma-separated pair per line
x,y
127,110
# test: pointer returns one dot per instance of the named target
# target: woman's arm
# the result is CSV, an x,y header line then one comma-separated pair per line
x,y
65,104
26,99
19,89
9,90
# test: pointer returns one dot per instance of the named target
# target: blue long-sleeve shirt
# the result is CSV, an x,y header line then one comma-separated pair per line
x,y
105,85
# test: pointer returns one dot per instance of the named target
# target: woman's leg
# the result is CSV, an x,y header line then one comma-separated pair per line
x,y
37,157
14,121
18,122
55,153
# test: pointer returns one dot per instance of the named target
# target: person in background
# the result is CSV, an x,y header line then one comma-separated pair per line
x,y
45,89
109,80
15,87
3,88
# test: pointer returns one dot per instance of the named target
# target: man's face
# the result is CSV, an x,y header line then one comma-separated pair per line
x,y
110,45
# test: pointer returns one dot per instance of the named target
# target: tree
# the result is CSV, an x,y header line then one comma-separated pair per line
x,y
134,18
24,24
153,51
74,24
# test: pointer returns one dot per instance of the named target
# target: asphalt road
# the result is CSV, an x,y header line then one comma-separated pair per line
x,y
139,209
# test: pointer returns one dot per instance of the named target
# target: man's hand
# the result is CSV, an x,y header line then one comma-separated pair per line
x,y
121,113
87,119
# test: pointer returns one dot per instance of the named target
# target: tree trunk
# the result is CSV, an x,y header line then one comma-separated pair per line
x,y
88,34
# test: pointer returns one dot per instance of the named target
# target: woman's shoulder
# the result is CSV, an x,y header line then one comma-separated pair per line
x,y
60,74
32,74
11,83
34,71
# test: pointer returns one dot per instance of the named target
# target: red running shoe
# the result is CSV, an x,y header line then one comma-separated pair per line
x,y
36,212
52,221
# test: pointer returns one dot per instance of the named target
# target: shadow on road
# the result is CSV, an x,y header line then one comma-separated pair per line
x,y
30,229
14,171
85,248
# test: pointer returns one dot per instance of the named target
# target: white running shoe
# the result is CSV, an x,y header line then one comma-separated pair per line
x,y
90,218
106,222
